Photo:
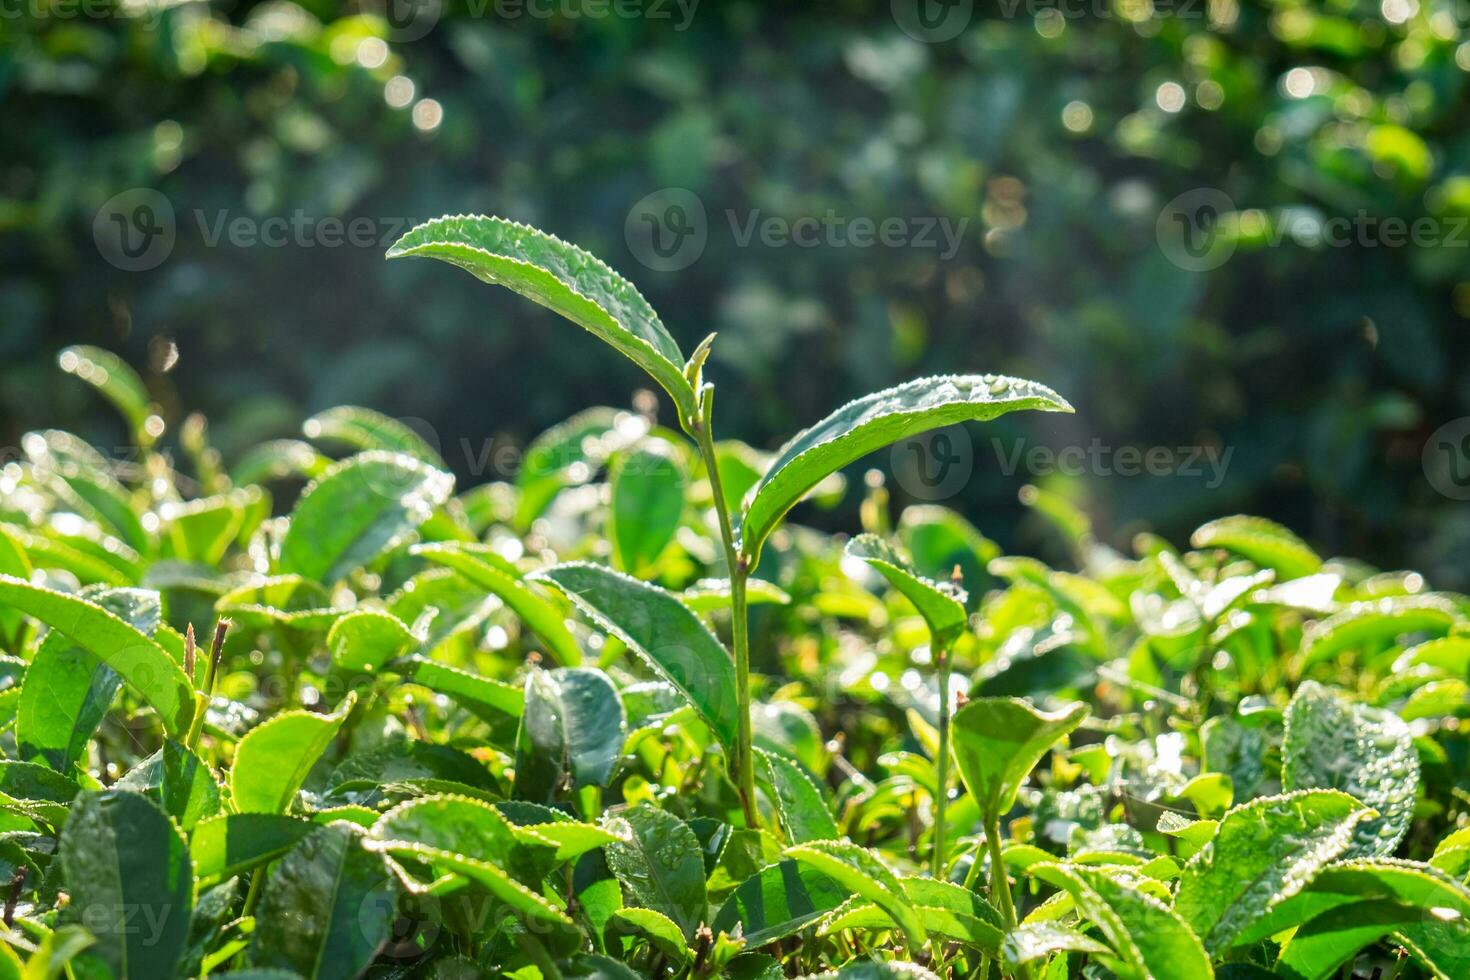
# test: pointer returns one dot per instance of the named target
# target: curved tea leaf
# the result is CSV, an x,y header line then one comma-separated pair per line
x,y
1039,940
863,874
485,567
948,910
1379,621
998,741
1266,851
118,383
1149,939
646,506
654,928
875,421
1410,884
1367,752
364,429
234,842
662,631
804,813
358,509
657,858
272,760
1264,542
941,605
562,278
571,733
177,780
277,460
139,660
326,908
67,690
471,690
125,864
365,639
780,901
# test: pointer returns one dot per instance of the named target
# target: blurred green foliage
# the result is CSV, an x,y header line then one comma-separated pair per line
x,y
1057,132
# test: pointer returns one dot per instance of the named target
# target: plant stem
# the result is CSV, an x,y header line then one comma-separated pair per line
x,y
211,675
941,799
1000,885
744,771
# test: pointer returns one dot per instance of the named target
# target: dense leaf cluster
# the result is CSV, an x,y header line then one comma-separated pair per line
x,y
426,731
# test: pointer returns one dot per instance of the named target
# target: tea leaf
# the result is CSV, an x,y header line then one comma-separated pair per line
x,y
780,901
662,631
571,733
179,782
364,429
858,870
1148,938
469,689
875,421
1367,752
117,382
942,606
356,510
67,690
365,639
1369,624
272,760
804,812
1264,542
483,566
647,506
326,908
234,842
127,871
998,741
562,278
657,858
135,657
1266,851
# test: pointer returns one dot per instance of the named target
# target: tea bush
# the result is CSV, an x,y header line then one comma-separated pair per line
x,y
517,730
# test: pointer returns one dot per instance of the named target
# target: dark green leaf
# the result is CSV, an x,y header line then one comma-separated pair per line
x,y
657,858
780,901
127,871
326,908
571,733
663,632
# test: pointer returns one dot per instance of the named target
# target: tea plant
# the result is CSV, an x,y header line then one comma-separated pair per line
x,y
617,718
